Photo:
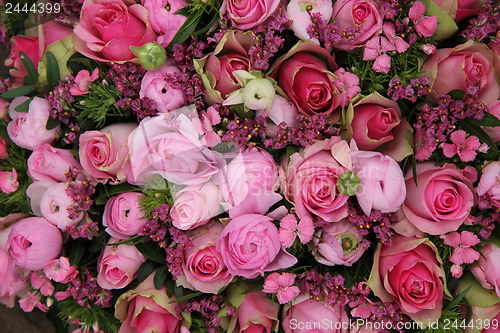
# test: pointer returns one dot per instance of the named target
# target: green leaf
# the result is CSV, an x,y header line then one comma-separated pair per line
x,y
187,297
457,299
28,66
186,29
151,251
488,120
108,193
457,94
5,135
160,276
183,11
202,31
146,269
76,251
52,71
290,150
169,286
17,92
24,106
414,168
51,123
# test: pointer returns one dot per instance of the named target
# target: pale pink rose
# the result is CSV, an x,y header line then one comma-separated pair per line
x,y
33,242
300,316
494,132
203,267
10,285
282,111
104,154
299,12
247,14
28,129
489,184
8,181
410,273
107,29
60,270
147,309
118,265
123,216
163,18
442,200
382,182
55,204
250,246
486,269
195,205
83,80
156,87
339,243
311,180
49,163
364,16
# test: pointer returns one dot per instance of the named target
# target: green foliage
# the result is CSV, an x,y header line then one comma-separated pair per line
x,y
99,104
104,317
153,198
451,321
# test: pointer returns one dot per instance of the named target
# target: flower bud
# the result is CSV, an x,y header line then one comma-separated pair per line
x,y
151,55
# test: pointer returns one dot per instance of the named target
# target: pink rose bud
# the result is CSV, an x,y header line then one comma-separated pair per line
x,y
248,14
255,314
163,20
123,216
49,163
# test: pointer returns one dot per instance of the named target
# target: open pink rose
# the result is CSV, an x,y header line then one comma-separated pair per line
x,y
486,269
123,216
107,29
489,183
247,14
49,163
163,18
410,273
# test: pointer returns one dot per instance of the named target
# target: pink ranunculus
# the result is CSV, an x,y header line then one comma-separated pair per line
x,y
461,67
442,200
216,69
107,29
32,242
311,180
375,123
28,129
203,268
361,18
163,18
118,265
299,12
382,182
155,86
28,45
54,205
123,216
494,132
49,163
247,14
282,111
338,243
83,80
147,309
486,269
489,184
10,285
410,273
105,153
304,312
250,246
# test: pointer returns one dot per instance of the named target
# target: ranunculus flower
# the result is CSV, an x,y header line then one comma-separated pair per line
x,y
339,243
203,268
123,216
410,273
442,200
305,311
49,163
486,269
10,286
104,154
54,206
489,183
216,69
382,182
33,242
156,87
247,14
163,18
311,180
28,129
118,265
362,16
299,12
107,29
375,123
466,65
147,309
250,246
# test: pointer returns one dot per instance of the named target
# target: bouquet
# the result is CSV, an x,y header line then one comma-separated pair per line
x,y
252,165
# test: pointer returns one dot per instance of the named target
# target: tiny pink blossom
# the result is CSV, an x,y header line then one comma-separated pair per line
x,y
483,148
83,80
465,148
41,283
462,243
348,85
61,295
424,25
59,270
398,42
282,286
376,49
29,302
8,181
456,271
289,229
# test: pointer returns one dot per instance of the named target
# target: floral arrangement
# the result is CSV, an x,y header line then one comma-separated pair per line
x,y
252,165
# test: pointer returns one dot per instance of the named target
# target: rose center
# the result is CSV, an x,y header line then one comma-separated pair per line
x,y
360,12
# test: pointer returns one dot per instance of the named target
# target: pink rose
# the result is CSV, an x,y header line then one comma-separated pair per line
x,y
118,265
33,242
250,13
410,273
494,132
311,180
442,200
104,154
250,246
123,216
147,309
486,269
301,316
375,123
163,18
155,86
28,129
361,19
469,64
459,10
10,286
49,163
299,13
107,29
489,184
338,244
216,69
282,111
55,205
203,267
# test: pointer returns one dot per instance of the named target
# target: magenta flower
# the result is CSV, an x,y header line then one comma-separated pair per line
x,y
465,148
289,229
348,85
462,243
282,286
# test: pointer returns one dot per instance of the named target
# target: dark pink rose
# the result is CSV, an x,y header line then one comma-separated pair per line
x,y
49,163
156,87
163,18
123,216
411,274
247,14
107,29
